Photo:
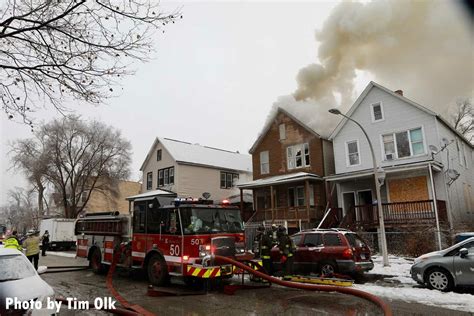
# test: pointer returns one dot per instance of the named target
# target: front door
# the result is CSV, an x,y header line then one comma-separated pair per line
x,y
366,212
348,199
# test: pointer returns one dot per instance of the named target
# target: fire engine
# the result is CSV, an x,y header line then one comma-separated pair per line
x,y
166,237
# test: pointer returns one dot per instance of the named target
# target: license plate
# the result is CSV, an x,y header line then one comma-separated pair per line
x,y
362,256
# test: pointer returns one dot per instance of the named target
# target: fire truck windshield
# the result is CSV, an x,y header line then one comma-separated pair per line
x,y
211,220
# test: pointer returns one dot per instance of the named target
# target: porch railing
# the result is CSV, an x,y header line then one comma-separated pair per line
x,y
285,213
398,213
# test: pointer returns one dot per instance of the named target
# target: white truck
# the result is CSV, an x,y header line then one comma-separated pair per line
x,y
61,232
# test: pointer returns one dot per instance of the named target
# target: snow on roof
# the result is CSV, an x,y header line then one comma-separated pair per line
x,y
207,156
299,176
151,193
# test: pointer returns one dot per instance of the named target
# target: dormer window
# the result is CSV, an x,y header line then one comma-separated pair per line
x,y
377,112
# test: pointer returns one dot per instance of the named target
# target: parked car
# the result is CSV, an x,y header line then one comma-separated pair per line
x,y
445,269
328,251
18,278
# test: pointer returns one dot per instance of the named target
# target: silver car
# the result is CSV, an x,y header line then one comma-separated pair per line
x,y
19,279
443,270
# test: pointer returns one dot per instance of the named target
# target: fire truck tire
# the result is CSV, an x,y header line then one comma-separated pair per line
x,y
97,266
157,270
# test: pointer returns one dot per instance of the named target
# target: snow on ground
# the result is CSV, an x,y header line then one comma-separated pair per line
x,y
62,254
398,285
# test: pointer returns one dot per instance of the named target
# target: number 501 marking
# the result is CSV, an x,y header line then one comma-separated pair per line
x,y
174,250
195,242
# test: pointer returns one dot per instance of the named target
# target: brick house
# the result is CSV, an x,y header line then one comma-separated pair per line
x,y
189,170
428,164
289,160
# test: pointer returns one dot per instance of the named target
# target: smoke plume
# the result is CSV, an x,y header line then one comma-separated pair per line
x,y
424,48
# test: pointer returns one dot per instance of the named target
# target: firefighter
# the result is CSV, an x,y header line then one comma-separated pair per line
x,y
44,243
265,246
32,247
287,250
274,235
12,242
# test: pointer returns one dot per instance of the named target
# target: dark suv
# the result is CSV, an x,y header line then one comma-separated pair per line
x,y
328,251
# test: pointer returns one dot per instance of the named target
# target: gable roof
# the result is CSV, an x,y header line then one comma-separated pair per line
x,y
195,154
369,87
270,122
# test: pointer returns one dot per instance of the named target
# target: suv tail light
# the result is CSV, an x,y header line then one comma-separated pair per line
x,y
347,253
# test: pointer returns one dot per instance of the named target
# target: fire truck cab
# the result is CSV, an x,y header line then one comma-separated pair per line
x,y
166,236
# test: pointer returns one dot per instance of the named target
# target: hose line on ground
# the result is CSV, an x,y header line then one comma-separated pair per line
x,y
311,287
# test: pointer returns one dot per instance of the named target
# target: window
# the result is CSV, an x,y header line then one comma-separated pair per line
x,y
332,240
296,239
298,156
296,196
403,144
313,240
377,112
158,155
84,196
353,158
228,179
165,176
264,162
149,180
282,129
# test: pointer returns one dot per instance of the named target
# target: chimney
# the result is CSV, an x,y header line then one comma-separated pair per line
x,y
400,92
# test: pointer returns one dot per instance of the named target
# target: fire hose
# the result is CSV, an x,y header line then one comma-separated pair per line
x,y
311,287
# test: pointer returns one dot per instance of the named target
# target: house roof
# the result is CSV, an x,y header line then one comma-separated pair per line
x,y
369,87
275,180
195,154
269,123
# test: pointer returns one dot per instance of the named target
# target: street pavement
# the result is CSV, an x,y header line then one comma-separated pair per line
x,y
85,285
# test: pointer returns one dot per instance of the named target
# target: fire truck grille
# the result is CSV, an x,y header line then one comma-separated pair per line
x,y
223,246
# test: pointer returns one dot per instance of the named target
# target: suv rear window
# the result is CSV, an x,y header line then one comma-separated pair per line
x,y
355,241
332,240
312,240
296,239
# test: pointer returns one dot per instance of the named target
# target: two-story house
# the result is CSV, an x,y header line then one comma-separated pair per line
x,y
428,164
290,160
190,170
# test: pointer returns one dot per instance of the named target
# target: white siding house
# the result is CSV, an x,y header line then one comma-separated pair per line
x,y
401,132
189,170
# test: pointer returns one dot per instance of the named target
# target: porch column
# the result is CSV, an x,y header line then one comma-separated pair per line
x,y
306,186
241,201
272,204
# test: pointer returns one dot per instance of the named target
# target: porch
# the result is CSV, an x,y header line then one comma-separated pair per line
x,y
395,214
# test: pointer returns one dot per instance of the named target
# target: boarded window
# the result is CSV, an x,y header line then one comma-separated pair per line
x,y
282,130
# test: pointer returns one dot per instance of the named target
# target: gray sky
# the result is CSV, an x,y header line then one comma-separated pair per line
x,y
214,77
217,72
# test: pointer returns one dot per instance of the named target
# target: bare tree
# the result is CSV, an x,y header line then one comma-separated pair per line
x,y
20,212
83,157
54,49
31,157
463,118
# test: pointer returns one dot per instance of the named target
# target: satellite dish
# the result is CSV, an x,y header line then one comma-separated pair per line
x,y
453,174
433,148
445,141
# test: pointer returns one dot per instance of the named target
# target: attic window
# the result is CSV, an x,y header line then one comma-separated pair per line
x,y
377,112
158,155
282,129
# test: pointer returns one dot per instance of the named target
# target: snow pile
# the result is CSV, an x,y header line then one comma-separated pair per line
x,y
404,290
62,254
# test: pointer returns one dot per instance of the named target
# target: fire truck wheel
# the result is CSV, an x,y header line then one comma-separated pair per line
x,y
96,263
157,270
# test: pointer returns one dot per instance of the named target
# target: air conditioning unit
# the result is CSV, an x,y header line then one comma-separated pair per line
x,y
388,156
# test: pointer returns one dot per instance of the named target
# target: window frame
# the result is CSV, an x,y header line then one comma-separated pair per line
x,y
159,155
410,143
296,198
226,174
294,148
149,180
348,164
282,131
263,163
372,113
165,175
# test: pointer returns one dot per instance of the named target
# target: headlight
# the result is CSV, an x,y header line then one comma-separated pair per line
x,y
204,250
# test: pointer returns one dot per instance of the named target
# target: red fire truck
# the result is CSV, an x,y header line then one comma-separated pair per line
x,y
165,236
